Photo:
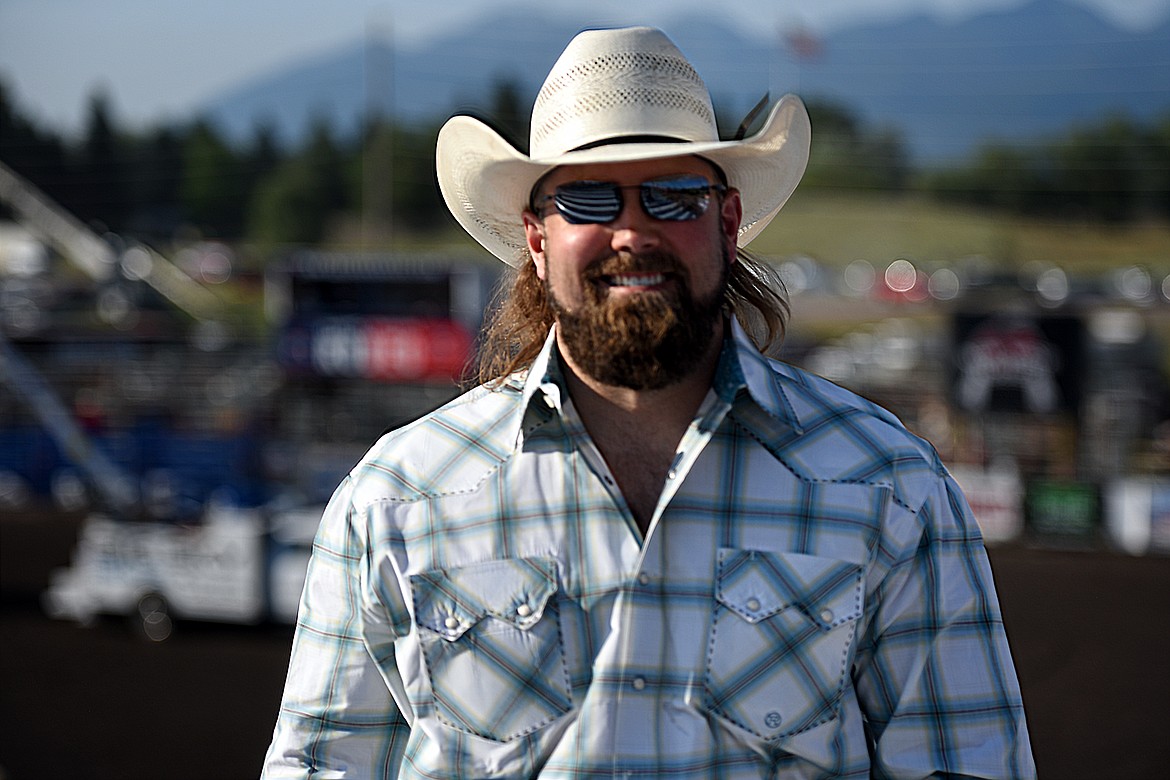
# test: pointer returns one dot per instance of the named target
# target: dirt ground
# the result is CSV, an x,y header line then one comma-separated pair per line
x,y
1090,632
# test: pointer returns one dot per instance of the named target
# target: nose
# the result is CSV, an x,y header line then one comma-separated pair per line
x,y
633,230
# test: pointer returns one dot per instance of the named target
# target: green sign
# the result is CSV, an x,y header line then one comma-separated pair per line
x,y
1068,510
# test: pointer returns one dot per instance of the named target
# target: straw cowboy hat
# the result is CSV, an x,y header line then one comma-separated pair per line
x,y
615,96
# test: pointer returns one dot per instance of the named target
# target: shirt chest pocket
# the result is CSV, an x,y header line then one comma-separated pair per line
x,y
781,638
491,643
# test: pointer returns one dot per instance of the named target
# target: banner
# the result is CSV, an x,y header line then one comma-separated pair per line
x,y
378,348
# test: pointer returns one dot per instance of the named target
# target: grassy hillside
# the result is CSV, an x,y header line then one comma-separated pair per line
x,y
837,229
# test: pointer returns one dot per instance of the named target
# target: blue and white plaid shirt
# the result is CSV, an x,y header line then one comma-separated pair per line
x,y
812,599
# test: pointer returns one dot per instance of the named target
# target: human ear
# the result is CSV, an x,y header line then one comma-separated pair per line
x,y
534,237
730,217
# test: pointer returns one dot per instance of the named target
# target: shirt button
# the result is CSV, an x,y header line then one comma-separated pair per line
x,y
523,610
753,604
671,474
639,683
827,615
452,622
644,578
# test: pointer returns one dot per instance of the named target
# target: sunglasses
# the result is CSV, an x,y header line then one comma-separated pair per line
x,y
673,199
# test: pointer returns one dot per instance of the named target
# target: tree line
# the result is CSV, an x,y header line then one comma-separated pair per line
x,y
189,179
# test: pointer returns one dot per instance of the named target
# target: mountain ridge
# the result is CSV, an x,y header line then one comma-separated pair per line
x,y
945,85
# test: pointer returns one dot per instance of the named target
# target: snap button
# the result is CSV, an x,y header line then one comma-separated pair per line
x,y
753,604
827,615
451,622
639,683
671,474
523,610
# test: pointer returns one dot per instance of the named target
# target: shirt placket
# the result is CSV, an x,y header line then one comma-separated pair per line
x,y
642,614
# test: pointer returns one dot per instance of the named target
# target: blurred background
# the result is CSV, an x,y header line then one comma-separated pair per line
x,y
225,269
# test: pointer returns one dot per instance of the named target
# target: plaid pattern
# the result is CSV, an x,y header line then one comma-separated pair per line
x,y
812,600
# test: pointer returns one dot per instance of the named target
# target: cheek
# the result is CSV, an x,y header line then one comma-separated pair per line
x,y
707,249
568,251
578,241
561,277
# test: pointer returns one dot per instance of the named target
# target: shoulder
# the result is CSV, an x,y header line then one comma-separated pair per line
x,y
836,435
449,450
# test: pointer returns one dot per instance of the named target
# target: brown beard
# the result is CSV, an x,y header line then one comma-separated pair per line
x,y
645,342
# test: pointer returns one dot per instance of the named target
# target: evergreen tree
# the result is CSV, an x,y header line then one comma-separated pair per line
x,y
213,191
101,188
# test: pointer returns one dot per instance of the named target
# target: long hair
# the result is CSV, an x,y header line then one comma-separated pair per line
x,y
521,317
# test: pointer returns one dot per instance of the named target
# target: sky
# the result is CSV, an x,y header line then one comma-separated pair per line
x,y
156,60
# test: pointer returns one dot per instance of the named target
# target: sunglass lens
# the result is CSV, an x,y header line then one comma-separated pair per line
x,y
677,200
588,202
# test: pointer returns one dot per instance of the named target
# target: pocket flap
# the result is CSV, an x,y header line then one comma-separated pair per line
x,y
756,585
515,590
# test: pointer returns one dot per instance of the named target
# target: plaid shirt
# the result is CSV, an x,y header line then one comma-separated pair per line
x,y
812,599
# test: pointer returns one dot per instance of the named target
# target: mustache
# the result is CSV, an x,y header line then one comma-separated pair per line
x,y
629,263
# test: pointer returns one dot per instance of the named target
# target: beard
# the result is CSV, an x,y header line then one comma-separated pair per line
x,y
645,341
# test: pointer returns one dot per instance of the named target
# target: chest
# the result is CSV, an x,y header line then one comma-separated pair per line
x,y
550,594
641,473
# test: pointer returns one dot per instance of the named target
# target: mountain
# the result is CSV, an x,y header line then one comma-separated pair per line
x,y
946,86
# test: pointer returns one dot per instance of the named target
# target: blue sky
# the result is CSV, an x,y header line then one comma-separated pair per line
x,y
157,59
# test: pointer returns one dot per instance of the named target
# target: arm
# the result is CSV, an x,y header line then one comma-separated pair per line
x,y
337,717
934,673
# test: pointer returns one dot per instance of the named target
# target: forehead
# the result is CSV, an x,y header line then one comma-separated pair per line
x,y
633,172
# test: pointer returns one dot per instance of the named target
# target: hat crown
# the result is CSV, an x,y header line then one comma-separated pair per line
x,y
611,84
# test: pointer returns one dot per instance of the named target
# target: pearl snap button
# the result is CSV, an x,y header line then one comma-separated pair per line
x,y
827,615
753,604
523,610
639,683
451,622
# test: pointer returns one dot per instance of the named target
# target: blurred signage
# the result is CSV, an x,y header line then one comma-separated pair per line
x,y
1018,363
1138,514
1063,512
1160,518
378,348
996,498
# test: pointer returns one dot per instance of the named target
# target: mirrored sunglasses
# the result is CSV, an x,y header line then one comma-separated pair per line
x,y
673,199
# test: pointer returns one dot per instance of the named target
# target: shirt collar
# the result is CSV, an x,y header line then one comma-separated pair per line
x,y
743,367
545,382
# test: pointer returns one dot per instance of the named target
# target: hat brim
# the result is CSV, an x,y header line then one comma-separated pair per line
x,y
486,182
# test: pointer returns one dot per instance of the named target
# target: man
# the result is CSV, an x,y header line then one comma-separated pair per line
x,y
640,548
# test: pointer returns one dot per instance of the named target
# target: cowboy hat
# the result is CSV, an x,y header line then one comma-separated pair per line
x,y
614,96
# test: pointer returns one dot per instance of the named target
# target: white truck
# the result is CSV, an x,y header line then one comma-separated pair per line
x,y
235,566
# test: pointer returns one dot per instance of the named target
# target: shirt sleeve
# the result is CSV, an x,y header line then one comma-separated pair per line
x,y
337,717
934,674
